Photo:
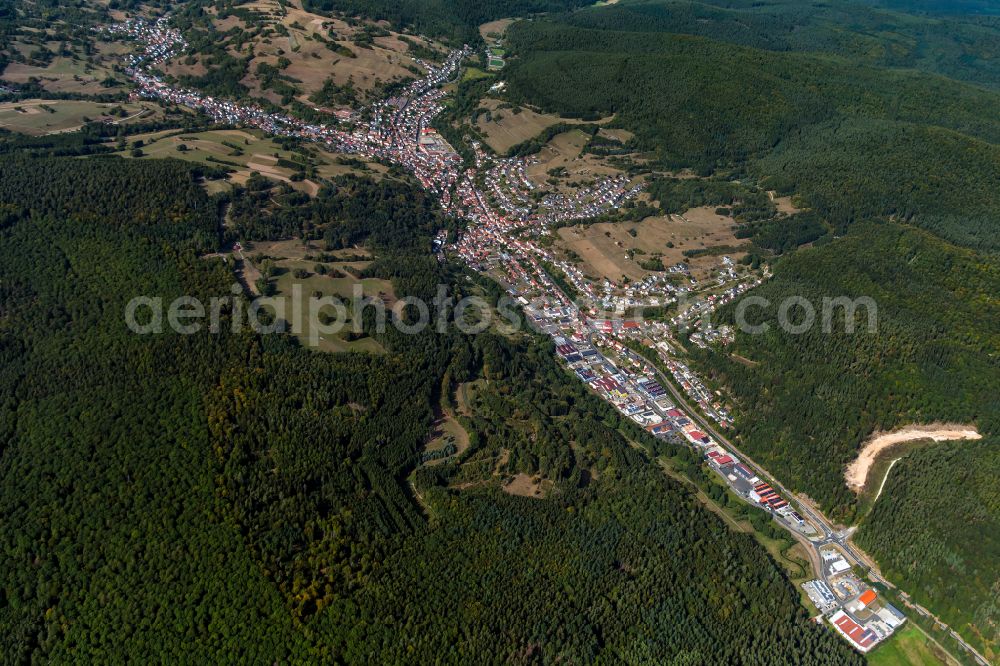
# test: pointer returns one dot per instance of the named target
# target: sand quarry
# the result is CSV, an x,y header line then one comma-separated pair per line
x,y
856,474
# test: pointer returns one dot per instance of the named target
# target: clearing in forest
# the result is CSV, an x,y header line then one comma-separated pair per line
x,y
52,116
610,250
856,474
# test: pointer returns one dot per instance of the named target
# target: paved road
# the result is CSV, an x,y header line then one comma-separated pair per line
x,y
831,536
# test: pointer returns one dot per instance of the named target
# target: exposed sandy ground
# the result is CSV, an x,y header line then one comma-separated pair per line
x,y
856,473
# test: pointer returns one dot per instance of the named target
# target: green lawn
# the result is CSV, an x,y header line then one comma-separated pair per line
x,y
474,73
341,287
908,646
38,117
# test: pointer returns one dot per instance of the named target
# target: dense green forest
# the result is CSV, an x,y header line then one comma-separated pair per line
x,y
456,20
934,492
845,137
961,47
235,497
897,169
939,179
810,400
932,356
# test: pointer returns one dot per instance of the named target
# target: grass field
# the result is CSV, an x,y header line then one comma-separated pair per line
x,y
506,128
908,647
259,153
294,293
447,430
70,73
465,396
474,73
311,62
603,248
565,152
297,312
38,117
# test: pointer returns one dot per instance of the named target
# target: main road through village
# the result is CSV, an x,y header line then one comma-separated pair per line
x,y
400,133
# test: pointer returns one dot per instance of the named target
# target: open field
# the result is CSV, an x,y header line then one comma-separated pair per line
x,y
602,247
784,204
37,117
498,27
465,395
473,74
908,647
621,135
565,152
310,61
294,293
447,430
527,486
253,152
504,128
296,250
297,304
69,73
856,474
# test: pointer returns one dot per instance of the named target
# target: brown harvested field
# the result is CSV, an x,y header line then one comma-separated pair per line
x,y
311,62
498,27
506,128
602,247
565,151
527,486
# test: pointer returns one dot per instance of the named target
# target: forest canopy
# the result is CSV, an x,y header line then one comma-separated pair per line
x,y
235,496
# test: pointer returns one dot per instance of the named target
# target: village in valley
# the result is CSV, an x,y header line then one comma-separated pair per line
x,y
521,230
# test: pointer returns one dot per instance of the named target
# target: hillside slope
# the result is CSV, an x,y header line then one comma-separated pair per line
x,y
902,166
220,497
